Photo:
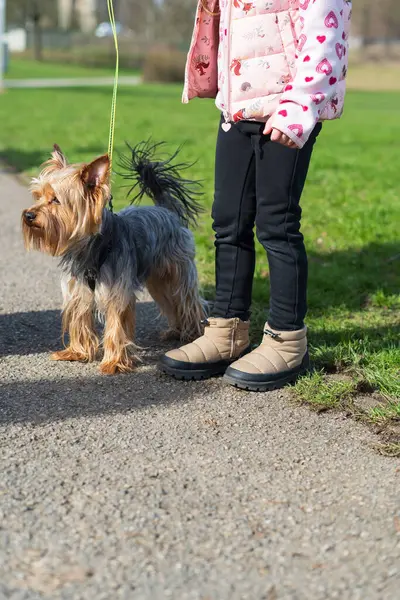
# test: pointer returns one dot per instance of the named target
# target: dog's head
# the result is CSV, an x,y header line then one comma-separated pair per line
x,y
69,201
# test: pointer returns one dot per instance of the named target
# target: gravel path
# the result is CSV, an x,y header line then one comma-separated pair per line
x,y
142,488
71,82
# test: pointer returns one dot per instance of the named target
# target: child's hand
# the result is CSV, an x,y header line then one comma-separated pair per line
x,y
278,136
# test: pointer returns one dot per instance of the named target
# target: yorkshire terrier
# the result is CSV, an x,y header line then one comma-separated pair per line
x,y
107,258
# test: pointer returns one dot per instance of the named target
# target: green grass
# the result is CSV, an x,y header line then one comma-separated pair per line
x,y
24,68
392,450
325,394
351,215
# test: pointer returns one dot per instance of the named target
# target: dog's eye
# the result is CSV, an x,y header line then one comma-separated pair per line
x,y
55,201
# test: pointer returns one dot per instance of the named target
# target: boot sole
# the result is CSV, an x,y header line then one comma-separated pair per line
x,y
193,375
268,386
206,372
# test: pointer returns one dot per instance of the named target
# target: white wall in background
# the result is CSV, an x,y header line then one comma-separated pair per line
x,y
17,40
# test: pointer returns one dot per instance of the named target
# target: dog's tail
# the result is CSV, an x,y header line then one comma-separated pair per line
x,y
160,179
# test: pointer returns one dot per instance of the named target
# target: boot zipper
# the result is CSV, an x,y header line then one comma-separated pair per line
x,y
272,334
233,339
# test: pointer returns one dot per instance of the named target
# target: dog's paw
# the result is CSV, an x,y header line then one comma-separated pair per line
x,y
69,356
115,367
170,335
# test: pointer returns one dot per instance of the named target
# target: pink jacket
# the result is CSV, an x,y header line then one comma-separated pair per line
x,y
284,59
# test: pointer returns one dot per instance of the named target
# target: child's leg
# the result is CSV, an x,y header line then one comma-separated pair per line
x,y
282,356
234,213
281,174
226,335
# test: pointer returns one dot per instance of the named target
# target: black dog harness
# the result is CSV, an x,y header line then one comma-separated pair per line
x,y
91,273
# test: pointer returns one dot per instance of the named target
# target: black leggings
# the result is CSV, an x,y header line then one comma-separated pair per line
x,y
259,182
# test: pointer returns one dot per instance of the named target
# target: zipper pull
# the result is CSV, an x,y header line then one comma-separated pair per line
x,y
227,125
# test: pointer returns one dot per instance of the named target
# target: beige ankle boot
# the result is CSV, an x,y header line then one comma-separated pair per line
x,y
223,342
279,360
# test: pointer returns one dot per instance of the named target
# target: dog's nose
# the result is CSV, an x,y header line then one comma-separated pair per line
x,y
29,216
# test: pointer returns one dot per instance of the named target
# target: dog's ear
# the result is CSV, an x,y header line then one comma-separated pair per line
x,y
57,157
57,160
96,173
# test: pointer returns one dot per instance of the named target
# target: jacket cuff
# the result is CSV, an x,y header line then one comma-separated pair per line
x,y
295,121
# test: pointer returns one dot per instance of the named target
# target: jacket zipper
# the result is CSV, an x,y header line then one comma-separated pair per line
x,y
227,113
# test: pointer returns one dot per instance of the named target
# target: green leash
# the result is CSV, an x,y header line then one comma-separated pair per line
x,y
116,77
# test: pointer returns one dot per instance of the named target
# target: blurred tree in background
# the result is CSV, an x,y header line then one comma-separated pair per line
x,y
167,24
21,12
177,18
375,21
34,13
